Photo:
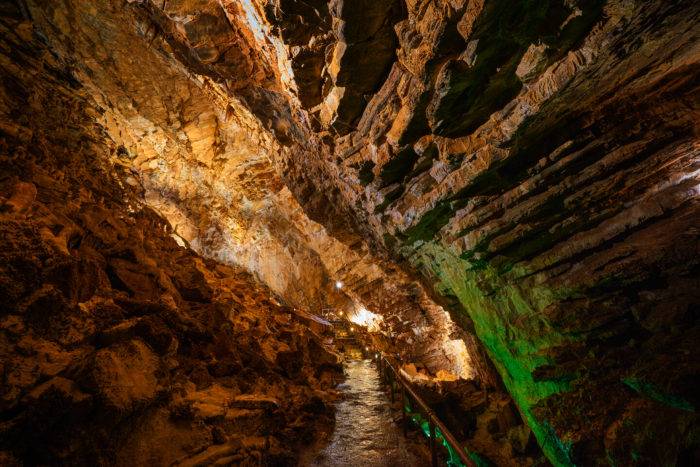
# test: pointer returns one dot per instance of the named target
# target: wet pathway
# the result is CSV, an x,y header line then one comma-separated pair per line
x,y
365,434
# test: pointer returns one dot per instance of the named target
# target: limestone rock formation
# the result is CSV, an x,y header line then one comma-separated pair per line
x,y
511,186
537,164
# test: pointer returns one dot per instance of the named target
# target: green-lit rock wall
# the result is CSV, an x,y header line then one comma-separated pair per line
x,y
508,321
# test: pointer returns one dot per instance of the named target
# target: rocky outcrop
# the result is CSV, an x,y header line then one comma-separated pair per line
x,y
117,345
305,27
340,53
361,56
203,160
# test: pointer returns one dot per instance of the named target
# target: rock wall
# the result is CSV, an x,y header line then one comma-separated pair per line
x,y
202,146
199,158
537,163
117,345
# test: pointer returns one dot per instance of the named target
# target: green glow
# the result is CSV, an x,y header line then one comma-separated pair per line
x,y
453,458
508,321
652,392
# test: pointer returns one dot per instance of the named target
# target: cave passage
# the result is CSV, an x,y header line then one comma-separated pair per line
x,y
365,433
213,211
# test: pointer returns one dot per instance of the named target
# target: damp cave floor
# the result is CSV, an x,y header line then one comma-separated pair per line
x,y
364,434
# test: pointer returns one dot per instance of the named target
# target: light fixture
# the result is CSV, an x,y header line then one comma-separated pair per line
x,y
338,285
352,329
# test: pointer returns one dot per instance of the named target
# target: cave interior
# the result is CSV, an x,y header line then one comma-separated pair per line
x,y
219,217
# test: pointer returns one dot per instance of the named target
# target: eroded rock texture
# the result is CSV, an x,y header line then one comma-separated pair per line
x,y
530,167
205,158
117,346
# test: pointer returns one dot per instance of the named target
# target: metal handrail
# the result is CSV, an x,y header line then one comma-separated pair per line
x,y
433,420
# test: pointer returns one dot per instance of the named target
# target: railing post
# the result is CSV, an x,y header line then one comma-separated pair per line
x,y
409,397
433,441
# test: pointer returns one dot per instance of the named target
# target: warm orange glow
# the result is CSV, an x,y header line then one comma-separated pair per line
x,y
367,319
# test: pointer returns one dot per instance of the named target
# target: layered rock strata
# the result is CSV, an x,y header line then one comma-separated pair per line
x,y
189,146
200,148
537,163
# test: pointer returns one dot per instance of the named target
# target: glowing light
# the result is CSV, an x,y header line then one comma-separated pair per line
x,y
367,319
338,285
352,328
366,349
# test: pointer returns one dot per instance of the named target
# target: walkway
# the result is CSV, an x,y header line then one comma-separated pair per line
x,y
365,434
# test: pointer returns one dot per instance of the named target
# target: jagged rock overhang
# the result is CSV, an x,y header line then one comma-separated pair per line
x,y
540,179
523,209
